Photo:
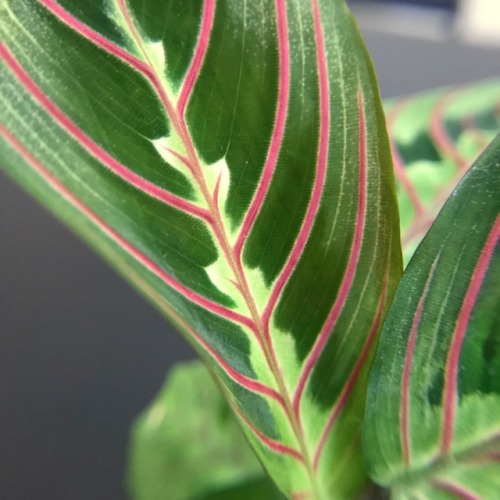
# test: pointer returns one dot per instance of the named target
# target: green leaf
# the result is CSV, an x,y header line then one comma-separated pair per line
x,y
187,444
433,411
435,138
230,159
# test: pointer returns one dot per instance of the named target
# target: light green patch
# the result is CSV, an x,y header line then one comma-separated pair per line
x,y
221,275
478,418
187,443
414,118
113,12
315,417
151,52
284,345
406,210
482,478
260,366
260,291
470,147
288,473
266,376
165,146
217,174
156,55
477,422
429,178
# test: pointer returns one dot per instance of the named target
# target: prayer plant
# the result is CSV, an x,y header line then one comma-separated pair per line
x,y
230,158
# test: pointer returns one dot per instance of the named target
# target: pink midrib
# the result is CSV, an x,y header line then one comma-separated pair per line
x,y
176,117
458,336
246,382
122,242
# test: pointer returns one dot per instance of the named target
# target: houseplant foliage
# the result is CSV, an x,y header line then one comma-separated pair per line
x,y
433,409
229,176
230,159
432,160
435,137
187,444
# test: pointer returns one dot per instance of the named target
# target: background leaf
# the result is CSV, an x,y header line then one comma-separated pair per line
x,y
231,160
433,412
187,445
435,138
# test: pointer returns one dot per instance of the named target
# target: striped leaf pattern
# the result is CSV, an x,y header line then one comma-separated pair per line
x,y
432,427
435,137
230,159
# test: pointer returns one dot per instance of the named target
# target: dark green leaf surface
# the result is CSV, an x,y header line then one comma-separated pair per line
x,y
432,423
435,138
230,158
187,445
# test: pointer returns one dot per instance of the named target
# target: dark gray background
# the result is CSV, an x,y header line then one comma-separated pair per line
x,y
81,353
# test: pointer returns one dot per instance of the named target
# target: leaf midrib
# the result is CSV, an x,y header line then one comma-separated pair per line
x,y
222,238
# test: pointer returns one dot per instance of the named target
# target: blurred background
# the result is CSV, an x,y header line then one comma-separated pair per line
x,y
81,354
467,21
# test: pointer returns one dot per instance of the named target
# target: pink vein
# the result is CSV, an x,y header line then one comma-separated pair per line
x,y
455,489
278,130
111,48
199,56
246,382
177,120
350,272
353,377
399,168
95,37
94,149
405,386
439,133
321,164
451,373
272,444
179,124
119,240
442,141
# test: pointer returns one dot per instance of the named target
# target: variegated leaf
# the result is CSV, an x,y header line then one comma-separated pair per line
x,y
230,159
432,425
435,138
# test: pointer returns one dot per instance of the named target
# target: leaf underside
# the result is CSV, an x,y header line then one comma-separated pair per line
x,y
432,425
435,137
230,159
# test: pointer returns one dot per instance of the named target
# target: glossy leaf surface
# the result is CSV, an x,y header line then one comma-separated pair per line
x,y
187,445
435,138
433,411
230,159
